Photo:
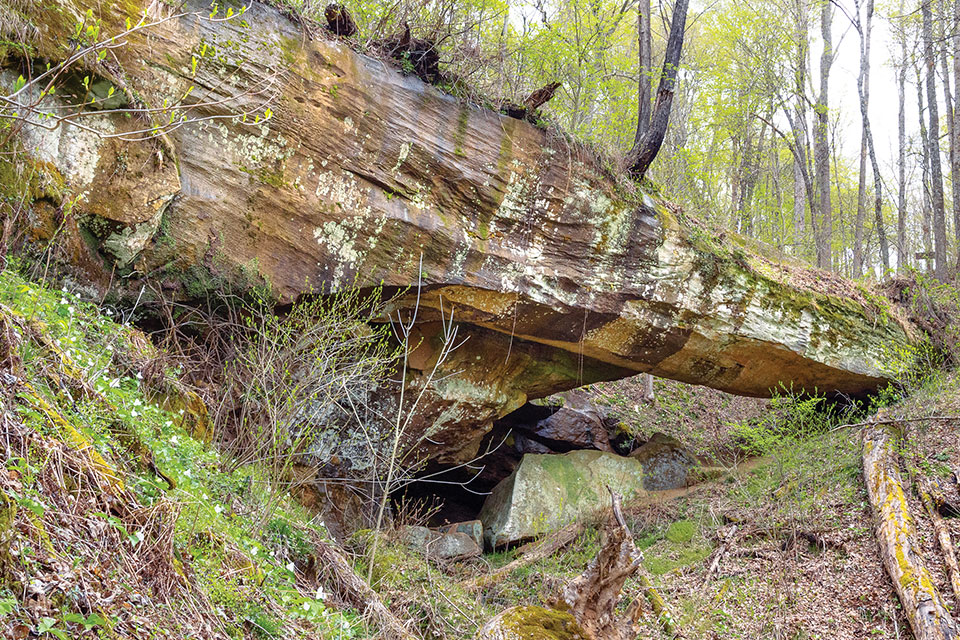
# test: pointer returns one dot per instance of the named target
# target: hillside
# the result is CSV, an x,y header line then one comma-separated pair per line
x,y
121,518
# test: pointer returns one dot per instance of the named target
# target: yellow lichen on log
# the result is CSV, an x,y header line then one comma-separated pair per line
x,y
922,603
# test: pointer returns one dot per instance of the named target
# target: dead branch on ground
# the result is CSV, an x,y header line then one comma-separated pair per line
x,y
927,492
543,548
922,603
341,578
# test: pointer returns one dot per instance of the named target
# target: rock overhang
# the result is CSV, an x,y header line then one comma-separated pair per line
x,y
558,270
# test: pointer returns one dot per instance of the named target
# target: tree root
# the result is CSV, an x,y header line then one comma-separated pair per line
x,y
592,597
922,603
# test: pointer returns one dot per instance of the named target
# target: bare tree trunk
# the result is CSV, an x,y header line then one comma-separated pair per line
x,y
752,162
861,194
936,175
868,132
799,210
645,150
648,393
801,162
903,251
926,218
955,169
644,36
801,168
821,144
949,106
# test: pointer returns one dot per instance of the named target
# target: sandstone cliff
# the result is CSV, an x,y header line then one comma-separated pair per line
x,y
559,272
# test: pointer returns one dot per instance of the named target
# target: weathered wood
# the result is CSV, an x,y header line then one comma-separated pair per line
x,y
592,596
541,96
543,548
897,535
337,573
928,495
339,20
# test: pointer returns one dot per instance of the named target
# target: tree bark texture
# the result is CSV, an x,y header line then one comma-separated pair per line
x,y
821,143
933,151
646,149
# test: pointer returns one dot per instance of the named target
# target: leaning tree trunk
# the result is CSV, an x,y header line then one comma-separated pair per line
x,y
645,59
647,148
922,603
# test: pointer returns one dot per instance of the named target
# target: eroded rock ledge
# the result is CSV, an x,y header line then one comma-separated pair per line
x,y
559,273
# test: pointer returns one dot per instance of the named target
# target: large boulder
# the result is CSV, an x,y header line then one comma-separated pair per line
x,y
666,463
559,272
575,428
549,491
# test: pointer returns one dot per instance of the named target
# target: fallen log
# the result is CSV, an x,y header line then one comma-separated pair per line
x,y
897,536
343,580
539,550
927,495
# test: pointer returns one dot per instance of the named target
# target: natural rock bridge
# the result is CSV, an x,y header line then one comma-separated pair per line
x,y
559,272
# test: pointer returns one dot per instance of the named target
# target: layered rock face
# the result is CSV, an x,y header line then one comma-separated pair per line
x,y
557,272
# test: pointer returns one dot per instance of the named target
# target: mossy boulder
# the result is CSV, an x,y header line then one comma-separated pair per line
x,y
531,623
548,491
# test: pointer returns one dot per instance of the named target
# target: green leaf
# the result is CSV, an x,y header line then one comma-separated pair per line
x,y
7,606
45,625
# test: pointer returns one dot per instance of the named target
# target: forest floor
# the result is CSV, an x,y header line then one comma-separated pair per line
x,y
95,543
